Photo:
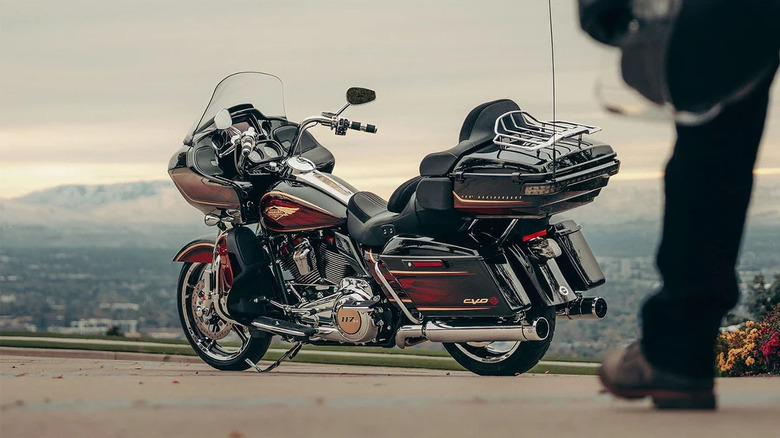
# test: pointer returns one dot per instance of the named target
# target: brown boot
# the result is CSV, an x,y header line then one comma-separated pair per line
x,y
627,374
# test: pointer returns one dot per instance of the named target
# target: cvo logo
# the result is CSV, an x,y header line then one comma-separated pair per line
x,y
492,300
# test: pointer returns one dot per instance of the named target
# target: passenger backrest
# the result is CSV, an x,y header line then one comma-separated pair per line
x,y
478,126
477,131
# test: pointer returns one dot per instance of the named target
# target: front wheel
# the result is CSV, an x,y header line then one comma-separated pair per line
x,y
220,343
503,358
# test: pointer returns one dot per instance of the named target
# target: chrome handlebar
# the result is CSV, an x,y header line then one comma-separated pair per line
x,y
334,122
248,142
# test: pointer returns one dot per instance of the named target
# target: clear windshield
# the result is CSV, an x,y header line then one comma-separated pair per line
x,y
263,91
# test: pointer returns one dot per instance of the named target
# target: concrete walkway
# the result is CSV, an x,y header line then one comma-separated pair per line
x,y
136,396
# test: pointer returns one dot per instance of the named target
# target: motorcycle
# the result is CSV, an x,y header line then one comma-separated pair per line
x,y
469,253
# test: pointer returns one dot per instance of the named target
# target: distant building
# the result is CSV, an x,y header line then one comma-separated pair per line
x,y
98,326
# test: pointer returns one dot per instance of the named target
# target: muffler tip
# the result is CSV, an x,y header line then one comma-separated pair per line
x,y
599,307
542,328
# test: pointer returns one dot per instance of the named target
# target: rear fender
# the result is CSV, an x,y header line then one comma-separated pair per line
x,y
200,250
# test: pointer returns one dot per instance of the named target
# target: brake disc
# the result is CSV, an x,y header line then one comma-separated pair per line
x,y
206,318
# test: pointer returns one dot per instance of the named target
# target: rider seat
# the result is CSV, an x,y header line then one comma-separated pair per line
x,y
372,221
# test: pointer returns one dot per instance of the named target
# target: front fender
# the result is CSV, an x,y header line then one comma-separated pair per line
x,y
200,250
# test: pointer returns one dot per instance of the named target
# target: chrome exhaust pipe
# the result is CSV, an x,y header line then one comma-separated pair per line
x,y
583,308
538,330
283,328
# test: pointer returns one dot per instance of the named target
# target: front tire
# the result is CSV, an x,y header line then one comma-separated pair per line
x,y
503,358
220,343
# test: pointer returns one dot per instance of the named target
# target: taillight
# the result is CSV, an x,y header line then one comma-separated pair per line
x,y
534,235
427,264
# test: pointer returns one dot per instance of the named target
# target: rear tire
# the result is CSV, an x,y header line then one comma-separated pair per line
x,y
221,344
504,358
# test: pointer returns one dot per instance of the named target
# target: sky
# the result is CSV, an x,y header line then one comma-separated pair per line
x,y
95,92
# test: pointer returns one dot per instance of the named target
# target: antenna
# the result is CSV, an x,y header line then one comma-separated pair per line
x,y
552,57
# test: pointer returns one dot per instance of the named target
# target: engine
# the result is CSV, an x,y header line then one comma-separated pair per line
x,y
313,259
342,306
352,312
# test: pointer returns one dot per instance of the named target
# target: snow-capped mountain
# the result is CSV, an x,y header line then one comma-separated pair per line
x,y
135,214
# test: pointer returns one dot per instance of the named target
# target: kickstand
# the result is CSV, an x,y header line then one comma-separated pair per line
x,y
289,355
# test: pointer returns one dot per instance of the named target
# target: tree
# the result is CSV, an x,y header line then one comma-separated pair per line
x,y
114,331
763,298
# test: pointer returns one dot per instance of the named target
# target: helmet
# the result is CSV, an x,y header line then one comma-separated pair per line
x,y
697,56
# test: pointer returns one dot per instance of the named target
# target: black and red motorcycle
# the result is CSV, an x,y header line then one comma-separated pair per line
x,y
467,253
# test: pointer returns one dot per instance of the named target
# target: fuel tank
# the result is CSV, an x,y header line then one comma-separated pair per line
x,y
305,205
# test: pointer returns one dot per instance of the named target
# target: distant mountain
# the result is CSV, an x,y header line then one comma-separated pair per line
x,y
130,214
73,197
625,218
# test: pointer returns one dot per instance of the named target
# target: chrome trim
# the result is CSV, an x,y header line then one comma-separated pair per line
x,y
211,219
408,332
392,293
537,330
331,187
305,124
490,348
301,165
583,308
278,330
506,233
535,134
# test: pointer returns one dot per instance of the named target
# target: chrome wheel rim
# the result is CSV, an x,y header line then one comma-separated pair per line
x,y
215,337
488,352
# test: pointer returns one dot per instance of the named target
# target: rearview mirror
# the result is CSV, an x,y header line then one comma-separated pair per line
x,y
223,120
358,96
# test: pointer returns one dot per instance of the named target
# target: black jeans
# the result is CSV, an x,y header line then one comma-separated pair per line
x,y
707,184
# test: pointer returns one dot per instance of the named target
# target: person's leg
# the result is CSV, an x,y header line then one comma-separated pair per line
x,y
707,184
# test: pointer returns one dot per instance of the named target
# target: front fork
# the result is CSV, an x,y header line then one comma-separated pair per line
x,y
219,277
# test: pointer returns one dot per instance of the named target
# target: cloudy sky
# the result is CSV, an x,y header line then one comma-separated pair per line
x,y
102,92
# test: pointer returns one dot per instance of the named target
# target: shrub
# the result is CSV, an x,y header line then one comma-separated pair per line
x,y
753,349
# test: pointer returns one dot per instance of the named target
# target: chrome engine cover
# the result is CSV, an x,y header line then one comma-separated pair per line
x,y
346,315
353,316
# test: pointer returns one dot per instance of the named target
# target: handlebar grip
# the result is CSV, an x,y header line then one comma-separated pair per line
x,y
357,126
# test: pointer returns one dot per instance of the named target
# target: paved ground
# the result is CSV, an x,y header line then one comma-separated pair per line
x,y
141,395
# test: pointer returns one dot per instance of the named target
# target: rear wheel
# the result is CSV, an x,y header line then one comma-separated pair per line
x,y
503,358
220,343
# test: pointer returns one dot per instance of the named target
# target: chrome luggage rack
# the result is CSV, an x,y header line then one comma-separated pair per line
x,y
518,129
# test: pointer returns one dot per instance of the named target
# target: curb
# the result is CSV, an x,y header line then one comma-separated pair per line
x,y
92,354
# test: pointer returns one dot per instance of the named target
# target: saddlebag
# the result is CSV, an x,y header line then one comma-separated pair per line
x,y
577,262
439,279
